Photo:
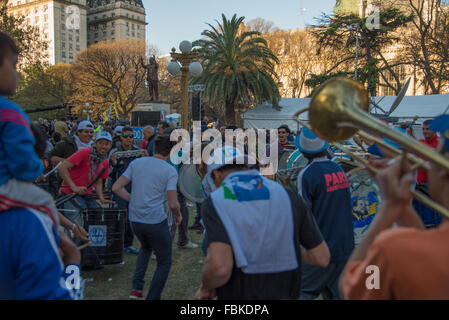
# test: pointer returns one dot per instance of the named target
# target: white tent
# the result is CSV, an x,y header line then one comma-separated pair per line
x,y
264,116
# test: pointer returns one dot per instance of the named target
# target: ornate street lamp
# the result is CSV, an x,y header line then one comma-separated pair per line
x,y
88,111
184,63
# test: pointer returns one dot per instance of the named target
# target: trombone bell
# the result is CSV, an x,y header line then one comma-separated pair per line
x,y
329,105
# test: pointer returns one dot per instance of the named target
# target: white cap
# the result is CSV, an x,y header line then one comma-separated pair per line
x,y
83,125
118,130
228,155
104,135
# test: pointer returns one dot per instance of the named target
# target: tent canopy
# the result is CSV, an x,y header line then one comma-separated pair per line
x,y
264,116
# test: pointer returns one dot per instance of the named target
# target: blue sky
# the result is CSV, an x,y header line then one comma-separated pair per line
x,y
171,21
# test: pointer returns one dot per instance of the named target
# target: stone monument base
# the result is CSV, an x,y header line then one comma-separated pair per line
x,y
154,106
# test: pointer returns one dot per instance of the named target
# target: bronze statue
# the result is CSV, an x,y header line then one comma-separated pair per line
x,y
152,77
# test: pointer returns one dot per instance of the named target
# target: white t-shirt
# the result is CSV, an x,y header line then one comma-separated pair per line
x,y
151,178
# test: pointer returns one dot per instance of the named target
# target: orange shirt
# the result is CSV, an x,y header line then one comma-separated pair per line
x,y
413,264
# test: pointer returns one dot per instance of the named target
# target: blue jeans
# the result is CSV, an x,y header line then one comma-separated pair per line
x,y
73,208
317,280
153,237
129,235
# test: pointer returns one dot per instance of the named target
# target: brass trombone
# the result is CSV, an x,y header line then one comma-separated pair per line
x,y
341,106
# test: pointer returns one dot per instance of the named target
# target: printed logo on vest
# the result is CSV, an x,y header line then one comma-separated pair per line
x,y
246,188
336,181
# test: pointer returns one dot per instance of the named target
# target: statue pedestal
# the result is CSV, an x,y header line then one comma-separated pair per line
x,y
154,106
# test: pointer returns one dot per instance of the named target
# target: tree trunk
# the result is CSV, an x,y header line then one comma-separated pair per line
x,y
230,113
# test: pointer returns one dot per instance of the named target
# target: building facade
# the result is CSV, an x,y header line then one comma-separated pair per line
x,y
69,26
61,23
115,19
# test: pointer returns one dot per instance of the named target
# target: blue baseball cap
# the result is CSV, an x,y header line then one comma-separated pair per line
x,y
104,135
308,142
441,125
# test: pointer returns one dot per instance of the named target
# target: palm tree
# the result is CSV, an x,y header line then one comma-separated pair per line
x,y
239,67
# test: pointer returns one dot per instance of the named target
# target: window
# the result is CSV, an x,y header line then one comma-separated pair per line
x,y
77,38
63,45
70,46
104,33
112,32
62,26
104,16
113,24
113,14
63,54
77,48
132,26
70,37
133,34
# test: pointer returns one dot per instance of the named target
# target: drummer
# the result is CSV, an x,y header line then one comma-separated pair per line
x,y
117,167
79,170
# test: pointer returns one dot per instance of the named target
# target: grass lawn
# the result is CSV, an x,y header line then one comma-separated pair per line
x,y
114,282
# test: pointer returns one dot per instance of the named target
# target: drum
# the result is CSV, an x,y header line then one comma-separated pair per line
x,y
296,160
294,163
106,228
365,200
189,183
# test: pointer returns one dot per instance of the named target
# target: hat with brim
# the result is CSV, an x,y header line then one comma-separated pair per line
x,y
441,125
85,125
118,130
104,135
308,142
229,155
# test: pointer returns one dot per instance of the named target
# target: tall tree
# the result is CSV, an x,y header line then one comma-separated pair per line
x,y
239,68
52,86
110,74
33,49
426,44
335,32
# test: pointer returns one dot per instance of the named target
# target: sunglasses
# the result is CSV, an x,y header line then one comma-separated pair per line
x,y
128,135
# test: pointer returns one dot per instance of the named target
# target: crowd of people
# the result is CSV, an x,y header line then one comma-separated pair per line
x,y
262,239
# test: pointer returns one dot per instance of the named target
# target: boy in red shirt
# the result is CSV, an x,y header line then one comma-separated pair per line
x,y
79,170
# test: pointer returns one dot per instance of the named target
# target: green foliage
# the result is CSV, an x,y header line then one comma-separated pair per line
x,y
334,32
46,87
239,67
33,50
